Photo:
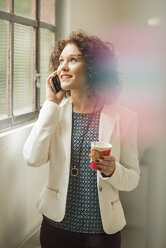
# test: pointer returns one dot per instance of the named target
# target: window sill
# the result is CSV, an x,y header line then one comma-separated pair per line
x,y
12,130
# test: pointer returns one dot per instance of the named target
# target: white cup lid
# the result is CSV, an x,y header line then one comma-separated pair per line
x,y
101,144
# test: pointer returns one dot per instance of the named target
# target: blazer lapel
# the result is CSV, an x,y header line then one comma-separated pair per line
x,y
66,128
106,126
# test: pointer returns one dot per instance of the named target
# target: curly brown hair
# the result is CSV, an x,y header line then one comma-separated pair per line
x,y
101,62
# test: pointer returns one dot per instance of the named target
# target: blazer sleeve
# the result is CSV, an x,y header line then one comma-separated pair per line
x,y
127,173
36,147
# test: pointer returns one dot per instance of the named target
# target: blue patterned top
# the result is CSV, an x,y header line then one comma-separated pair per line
x,y
82,207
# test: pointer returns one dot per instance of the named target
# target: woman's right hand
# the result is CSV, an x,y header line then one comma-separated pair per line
x,y
50,95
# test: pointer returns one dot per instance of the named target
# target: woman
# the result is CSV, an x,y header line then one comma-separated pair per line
x,y
81,206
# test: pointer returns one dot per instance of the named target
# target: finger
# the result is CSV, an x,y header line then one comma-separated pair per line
x,y
106,167
107,163
48,87
109,158
107,173
48,83
51,76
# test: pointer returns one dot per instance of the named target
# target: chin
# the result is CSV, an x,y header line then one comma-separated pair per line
x,y
66,85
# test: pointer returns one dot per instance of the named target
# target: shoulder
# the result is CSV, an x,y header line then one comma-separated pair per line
x,y
125,120
118,111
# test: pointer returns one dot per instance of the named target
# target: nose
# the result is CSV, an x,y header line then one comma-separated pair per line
x,y
65,66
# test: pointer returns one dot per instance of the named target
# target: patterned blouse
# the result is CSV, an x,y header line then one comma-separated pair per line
x,y
82,207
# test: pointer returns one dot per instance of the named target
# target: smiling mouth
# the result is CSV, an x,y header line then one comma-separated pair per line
x,y
66,76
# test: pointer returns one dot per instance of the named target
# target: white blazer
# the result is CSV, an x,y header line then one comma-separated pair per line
x,y
50,140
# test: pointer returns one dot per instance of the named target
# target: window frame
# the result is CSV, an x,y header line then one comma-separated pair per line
x,y
12,120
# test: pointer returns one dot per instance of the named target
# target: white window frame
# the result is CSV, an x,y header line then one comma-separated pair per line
x,y
12,120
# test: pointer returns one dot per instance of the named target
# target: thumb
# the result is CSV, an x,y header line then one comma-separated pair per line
x,y
60,93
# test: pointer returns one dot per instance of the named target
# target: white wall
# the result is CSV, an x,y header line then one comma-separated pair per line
x,y
19,189
63,18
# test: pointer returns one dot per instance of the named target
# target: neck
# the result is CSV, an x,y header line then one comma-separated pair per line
x,y
82,104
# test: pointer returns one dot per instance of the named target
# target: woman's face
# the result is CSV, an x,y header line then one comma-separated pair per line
x,y
72,68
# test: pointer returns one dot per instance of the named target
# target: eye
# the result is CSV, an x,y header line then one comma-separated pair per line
x,y
73,60
61,61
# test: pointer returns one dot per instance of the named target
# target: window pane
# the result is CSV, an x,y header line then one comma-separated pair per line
x,y
47,40
47,11
4,39
23,69
5,5
25,8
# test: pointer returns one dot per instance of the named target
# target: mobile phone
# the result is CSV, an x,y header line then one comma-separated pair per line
x,y
55,84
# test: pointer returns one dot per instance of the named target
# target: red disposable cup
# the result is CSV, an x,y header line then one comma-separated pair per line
x,y
98,150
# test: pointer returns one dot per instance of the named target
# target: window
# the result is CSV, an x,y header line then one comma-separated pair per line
x,y
28,32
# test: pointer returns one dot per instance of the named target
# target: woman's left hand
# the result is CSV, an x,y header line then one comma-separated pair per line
x,y
107,165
